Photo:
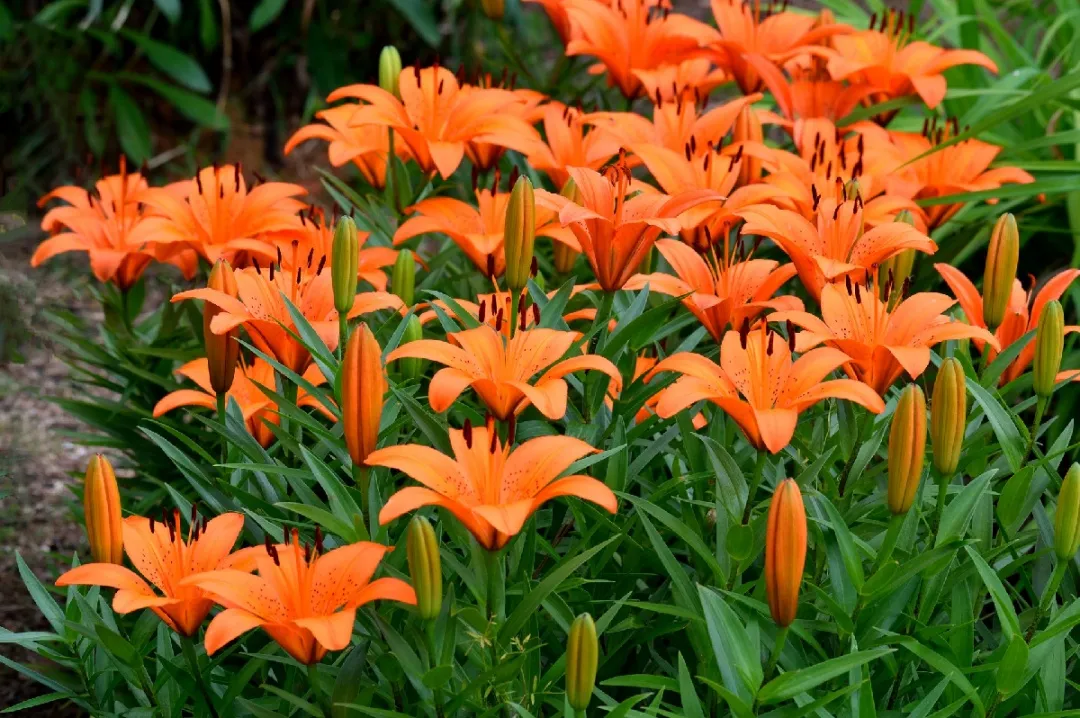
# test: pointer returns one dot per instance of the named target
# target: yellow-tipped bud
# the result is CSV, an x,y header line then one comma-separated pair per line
x,y
363,387
222,351
582,657
345,259
1001,260
495,9
907,444
390,70
101,506
564,255
519,234
1067,516
748,129
425,567
411,367
403,277
948,416
1049,342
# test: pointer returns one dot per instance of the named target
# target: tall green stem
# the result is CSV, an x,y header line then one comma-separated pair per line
x,y
942,488
320,696
888,544
1047,597
778,648
188,648
1040,409
343,334
755,482
222,412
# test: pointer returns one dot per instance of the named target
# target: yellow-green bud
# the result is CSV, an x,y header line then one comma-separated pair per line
x,y
345,257
1049,341
411,367
403,277
495,9
851,190
1067,516
425,567
1001,260
582,656
390,70
948,416
564,255
907,444
895,271
519,234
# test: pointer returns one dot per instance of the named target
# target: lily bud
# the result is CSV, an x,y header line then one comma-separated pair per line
x,y
403,277
390,70
363,387
425,567
495,9
896,268
785,552
1049,341
519,234
1067,516
222,350
101,506
1001,260
748,129
582,657
948,416
564,255
907,444
345,258
851,190
411,367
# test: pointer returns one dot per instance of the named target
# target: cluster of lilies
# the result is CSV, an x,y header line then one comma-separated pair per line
x,y
840,204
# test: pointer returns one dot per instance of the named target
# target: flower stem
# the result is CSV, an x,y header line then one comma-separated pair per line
x,y
841,487
222,412
1040,409
343,334
429,632
942,488
778,648
1047,597
391,184
513,312
888,544
188,648
322,698
755,482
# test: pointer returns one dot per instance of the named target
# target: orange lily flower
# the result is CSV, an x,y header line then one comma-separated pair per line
x,y
437,118
216,215
163,559
104,226
491,488
487,308
261,308
616,233
963,167
835,245
887,61
1021,316
881,344
570,145
759,386
689,80
501,371
367,150
527,105
255,406
297,594
723,292
315,240
477,231
643,364
629,36
774,35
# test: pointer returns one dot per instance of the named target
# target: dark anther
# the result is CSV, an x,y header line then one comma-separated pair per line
x,y
466,432
744,332
790,335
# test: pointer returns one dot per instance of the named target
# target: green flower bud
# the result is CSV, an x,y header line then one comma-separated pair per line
x,y
390,70
345,256
907,444
519,234
564,255
411,367
425,567
894,272
1067,516
403,277
1001,260
948,416
582,656
1049,341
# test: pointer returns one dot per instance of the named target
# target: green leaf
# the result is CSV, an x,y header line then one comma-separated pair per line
x,y
131,127
792,684
1002,603
169,8
176,64
681,530
45,603
421,16
1013,666
265,13
691,704
957,515
1012,445
852,560
736,655
943,666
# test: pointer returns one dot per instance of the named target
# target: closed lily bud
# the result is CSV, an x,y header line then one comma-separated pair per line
x,y
851,190
390,70
222,350
907,444
495,9
403,277
363,387
1001,260
948,416
893,272
582,657
345,258
1049,341
565,256
101,506
411,367
1067,516
748,129
519,234
785,552
425,567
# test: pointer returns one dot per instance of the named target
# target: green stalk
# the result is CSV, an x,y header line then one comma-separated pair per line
x,y
943,485
888,544
222,401
1040,408
323,700
513,312
1047,597
188,648
429,633
362,477
778,648
841,486
343,334
755,482
290,390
